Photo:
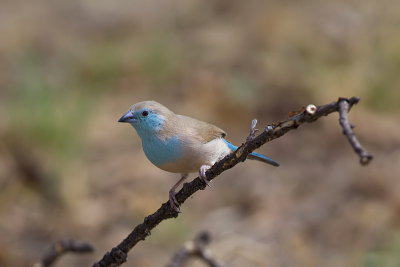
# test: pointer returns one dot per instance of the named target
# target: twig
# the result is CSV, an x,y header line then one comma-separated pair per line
x,y
196,248
118,254
253,130
62,247
344,108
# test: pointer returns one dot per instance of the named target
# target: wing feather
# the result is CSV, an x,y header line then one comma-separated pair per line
x,y
189,127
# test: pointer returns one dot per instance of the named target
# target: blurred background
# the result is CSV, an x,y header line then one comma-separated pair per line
x,y
70,69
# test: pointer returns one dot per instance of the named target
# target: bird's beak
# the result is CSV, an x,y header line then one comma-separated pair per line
x,y
127,117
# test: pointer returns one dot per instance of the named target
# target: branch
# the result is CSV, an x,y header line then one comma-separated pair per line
x,y
196,248
311,113
344,108
62,247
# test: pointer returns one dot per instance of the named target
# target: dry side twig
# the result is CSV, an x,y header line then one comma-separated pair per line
x,y
195,249
344,108
62,247
311,113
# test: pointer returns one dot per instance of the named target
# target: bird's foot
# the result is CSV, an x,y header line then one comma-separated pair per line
x,y
173,202
202,174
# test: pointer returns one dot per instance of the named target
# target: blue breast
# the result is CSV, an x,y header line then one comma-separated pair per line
x,y
161,152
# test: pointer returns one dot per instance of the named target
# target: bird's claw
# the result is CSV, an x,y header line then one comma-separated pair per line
x,y
173,202
202,175
204,179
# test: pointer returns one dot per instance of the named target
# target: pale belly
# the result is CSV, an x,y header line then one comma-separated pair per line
x,y
178,156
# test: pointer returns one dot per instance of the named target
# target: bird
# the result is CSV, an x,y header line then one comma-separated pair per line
x,y
180,144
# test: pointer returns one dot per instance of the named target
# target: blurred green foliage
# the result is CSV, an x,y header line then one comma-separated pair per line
x,y
100,69
157,60
46,112
388,256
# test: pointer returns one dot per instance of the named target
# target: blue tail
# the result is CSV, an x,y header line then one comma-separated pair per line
x,y
254,155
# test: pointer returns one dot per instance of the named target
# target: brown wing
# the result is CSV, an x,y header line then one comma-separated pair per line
x,y
200,130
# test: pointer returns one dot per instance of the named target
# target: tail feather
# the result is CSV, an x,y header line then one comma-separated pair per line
x,y
262,158
255,156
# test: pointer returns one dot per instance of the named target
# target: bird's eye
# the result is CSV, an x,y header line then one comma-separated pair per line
x,y
145,113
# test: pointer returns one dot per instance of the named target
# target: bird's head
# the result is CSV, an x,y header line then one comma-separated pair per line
x,y
146,117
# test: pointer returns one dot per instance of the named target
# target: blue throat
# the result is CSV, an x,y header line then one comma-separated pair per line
x,y
158,150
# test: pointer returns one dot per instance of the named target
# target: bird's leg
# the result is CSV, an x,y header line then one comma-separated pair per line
x,y
172,199
202,174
